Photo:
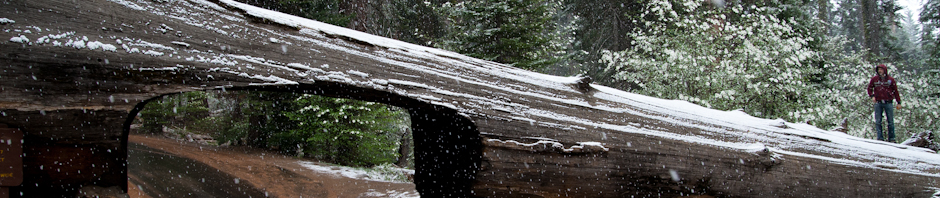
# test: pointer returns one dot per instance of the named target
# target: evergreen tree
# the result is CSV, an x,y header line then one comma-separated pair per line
x,y
601,25
930,36
903,46
868,24
413,21
847,24
262,115
155,115
344,131
512,32
930,43
737,57
175,111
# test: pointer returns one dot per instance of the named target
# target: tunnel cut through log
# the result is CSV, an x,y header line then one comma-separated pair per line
x,y
447,144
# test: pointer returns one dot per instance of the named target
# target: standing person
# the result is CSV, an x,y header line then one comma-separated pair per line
x,y
883,90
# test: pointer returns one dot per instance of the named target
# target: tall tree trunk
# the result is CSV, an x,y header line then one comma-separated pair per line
x,y
405,149
257,122
823,14
236,97
871,27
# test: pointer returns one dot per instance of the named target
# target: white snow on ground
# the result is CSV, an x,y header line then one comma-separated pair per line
x,y
354,173
391,194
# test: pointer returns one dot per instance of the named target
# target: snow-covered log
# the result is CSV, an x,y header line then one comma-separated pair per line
x,y
75,73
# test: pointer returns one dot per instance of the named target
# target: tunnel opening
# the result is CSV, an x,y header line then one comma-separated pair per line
x,y
446,145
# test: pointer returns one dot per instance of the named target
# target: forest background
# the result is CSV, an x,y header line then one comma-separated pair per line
x,y
804,61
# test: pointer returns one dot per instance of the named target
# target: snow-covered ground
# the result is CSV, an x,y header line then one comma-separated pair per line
x,y
366,174
357,173
392,194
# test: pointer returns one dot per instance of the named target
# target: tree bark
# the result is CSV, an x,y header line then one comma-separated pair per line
x,y
872,19
405,149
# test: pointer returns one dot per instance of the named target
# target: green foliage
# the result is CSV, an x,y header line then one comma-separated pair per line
x,y
388,172
414,21
264,113
930,18
344,131
513,32
173,111
732,58
867,25
921,111
904,47
748,57
154,116
596,26
341,131
847,98
225,130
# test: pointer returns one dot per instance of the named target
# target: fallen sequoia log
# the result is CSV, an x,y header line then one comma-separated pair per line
x,y
76,73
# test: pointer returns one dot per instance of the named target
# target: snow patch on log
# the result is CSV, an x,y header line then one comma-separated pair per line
x,y
358,73
410,84
180,43
129,4
261,61
272,79
305,67
48,38
103,46
20,39
381,82
4,21
159,68
549,146
588,147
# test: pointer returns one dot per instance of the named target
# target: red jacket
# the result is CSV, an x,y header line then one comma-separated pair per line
x,y
883,87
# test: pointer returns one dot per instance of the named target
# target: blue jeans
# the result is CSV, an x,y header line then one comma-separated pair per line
x,y
888,109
